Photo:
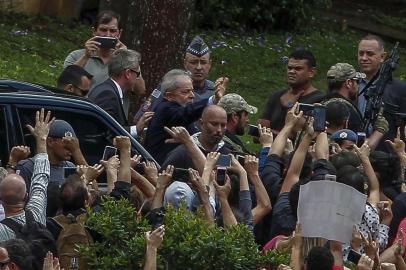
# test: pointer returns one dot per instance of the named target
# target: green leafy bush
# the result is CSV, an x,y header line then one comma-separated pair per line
x,y
260,14
189,242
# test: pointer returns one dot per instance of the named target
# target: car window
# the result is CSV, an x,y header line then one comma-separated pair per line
x,y
93,133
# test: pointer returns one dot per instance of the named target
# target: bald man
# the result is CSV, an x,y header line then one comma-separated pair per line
x,y
213,126
13,188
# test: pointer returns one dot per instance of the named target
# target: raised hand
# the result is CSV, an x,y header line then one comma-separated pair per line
x,y
154,239
292,117
178,134
165,177
220,87
143,121
398,145
122,143
18,153
365,263
265,136
93,172
224,190
211,160
251,165
42,124
363,151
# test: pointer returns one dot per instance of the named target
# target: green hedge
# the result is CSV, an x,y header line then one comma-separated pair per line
x,y
189,242
260,14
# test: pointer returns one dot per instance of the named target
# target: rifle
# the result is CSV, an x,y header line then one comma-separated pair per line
x,y
375,88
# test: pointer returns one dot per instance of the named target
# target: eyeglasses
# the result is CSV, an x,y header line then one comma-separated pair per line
x,y
357,80
136,72
3,264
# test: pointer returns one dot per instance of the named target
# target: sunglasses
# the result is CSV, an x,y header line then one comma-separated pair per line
x,y
138,73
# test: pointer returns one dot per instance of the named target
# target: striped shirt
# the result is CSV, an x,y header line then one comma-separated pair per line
x,y
37,196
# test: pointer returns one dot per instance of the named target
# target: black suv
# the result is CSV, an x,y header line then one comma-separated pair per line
x,y
93,126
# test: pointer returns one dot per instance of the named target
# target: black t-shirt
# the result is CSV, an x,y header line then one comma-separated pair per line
x,y
276,112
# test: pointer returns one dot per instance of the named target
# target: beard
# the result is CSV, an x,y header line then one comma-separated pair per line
x,y
240,129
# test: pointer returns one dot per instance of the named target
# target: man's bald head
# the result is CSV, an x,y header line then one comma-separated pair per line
x,y
213,110
13,190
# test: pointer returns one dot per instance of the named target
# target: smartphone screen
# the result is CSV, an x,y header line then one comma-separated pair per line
x,y
353,256
319,123
361,138
241,159
306,108
181,175
221,175
253,131
68,171
109,151
224,161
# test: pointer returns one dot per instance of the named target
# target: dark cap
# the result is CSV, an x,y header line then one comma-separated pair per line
x,y
60,129
344,134
197,47
72,75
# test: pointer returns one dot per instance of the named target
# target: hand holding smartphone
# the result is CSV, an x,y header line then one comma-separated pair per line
x,y
224,161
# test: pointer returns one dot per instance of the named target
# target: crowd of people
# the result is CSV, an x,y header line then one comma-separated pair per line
x,y
191,127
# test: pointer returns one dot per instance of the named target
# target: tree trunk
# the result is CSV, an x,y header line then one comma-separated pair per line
x,y
158,29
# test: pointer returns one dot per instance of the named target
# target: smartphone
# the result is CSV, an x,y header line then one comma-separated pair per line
x,y
319,113
181,175
221,175
253,131
68,171
353,256
106,42
306,108
241,159
109,151
361,138
139,168
224,161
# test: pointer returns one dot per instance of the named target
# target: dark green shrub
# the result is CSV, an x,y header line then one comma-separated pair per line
x,y
260,14
189,242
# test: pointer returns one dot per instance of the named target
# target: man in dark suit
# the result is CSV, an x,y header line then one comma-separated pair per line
x,y
124,72
176,109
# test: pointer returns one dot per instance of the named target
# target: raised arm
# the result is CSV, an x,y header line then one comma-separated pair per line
x,y
373,183
203,195
41,171
222,194
263,206
278,146
123,145
292,176
154,240
322,151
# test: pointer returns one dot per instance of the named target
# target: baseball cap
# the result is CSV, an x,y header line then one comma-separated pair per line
x,y
344,134
60,129
235,103
343,71
179,192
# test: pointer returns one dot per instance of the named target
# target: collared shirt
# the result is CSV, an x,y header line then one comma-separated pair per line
x,y
37,196
362,102
94,66
133,129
